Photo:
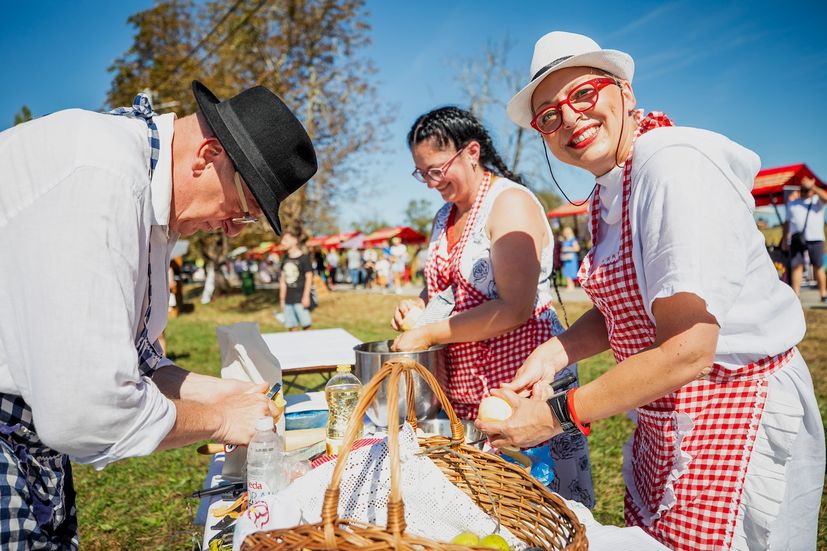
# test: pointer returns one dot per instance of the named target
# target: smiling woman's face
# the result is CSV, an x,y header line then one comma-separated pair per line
x,y
455,186
590,139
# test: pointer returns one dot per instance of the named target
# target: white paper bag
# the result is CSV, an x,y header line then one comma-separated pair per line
x,y
245,357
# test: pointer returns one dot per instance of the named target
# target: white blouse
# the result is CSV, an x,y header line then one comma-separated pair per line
x,y
475,264
693,231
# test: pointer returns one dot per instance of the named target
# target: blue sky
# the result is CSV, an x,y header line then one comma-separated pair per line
x,y
754,71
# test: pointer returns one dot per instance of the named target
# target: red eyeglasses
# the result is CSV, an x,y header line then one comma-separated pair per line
x,y
581,98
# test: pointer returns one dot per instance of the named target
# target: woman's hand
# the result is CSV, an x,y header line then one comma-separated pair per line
x,y
412,341
531,423
402,310
538,370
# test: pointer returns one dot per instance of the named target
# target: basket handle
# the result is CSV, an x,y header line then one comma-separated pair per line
x,y
393,369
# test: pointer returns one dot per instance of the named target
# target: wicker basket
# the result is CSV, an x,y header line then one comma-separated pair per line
x,y
504,491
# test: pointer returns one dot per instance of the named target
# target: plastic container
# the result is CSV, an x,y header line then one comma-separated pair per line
x,y
342,394
265,462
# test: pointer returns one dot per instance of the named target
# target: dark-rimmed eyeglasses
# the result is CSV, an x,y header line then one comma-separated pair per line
x,y
582,98
436,174
247,218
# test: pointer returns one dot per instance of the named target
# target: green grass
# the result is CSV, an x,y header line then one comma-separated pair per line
x,y
141,503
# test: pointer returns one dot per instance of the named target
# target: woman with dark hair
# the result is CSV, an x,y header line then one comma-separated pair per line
x,y
492,250
728,452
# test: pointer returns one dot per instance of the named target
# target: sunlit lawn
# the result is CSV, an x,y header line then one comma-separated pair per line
x,y
142,503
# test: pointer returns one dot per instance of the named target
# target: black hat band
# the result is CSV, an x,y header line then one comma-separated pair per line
x,y
249,148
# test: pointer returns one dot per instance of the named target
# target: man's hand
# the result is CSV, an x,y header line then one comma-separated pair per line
x,y
412,341
538,370
531,423
402,310
306,302
240,412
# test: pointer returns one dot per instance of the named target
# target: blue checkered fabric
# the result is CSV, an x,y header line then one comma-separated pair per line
x,y
37,496
148,354
141,108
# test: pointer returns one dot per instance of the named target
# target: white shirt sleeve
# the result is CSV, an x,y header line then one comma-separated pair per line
x,y
687,218
70,328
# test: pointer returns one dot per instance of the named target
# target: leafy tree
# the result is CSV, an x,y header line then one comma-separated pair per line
x,y
307,51
419,214
24,115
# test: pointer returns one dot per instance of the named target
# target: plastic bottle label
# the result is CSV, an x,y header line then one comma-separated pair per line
x,y
257,490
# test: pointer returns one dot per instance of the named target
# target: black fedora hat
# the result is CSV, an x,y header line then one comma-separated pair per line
x,y
268,145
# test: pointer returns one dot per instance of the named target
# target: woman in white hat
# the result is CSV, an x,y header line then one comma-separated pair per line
x,y
728,452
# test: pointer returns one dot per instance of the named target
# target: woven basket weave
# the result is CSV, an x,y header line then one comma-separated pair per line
x,y
504,491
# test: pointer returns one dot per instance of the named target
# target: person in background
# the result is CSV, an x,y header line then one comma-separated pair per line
x,y
420,259
295,283
354,266
369,262
383,271
804,233
82,375
319,266
399,260
492,247
332,259
728,451
569,256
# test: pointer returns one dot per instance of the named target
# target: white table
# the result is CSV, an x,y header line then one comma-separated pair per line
x,y
311,351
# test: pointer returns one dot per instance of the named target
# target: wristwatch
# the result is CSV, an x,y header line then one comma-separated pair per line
x,y
563,412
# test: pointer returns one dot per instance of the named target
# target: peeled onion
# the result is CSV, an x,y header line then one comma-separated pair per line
x,y
494,409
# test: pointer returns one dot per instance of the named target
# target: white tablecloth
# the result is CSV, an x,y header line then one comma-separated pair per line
x,y
314,347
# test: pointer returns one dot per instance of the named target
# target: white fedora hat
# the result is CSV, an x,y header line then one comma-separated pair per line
x,y
558,50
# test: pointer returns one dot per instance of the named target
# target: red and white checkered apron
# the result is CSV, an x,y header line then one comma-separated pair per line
x,y
710,422
476,367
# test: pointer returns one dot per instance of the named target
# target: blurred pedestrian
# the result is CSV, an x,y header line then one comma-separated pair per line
x,y
804,233
569,256
296,283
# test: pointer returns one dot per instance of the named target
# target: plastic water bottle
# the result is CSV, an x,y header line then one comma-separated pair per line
x,y
265,462
342,394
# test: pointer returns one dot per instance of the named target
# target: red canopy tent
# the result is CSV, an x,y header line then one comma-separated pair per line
x,y
382,237
333,241
316,241
770,183
567,209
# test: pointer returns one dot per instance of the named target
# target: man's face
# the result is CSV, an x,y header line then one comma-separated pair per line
x,y
288,240
206,197
807,185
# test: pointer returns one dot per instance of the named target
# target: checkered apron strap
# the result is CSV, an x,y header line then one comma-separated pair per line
x,y
148,354
691,448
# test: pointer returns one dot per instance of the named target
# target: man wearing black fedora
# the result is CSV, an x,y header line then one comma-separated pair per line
x,y
105,196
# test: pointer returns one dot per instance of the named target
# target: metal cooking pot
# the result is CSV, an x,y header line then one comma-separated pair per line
x,y
369,359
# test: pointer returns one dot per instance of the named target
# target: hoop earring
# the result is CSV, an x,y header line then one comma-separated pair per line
x,y
474,166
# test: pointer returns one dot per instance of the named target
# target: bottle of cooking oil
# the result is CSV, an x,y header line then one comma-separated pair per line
x,y
342,394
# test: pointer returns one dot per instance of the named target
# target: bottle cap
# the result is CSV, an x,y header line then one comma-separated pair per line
x,y
342,368
264,423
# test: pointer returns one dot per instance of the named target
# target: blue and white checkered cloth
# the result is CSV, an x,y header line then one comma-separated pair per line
x,y
37,497
148,355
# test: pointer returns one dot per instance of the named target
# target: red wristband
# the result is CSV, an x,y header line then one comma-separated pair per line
x,y
585,429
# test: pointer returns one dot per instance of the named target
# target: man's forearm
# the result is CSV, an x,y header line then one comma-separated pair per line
x,y
587,337
179,384
194,422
